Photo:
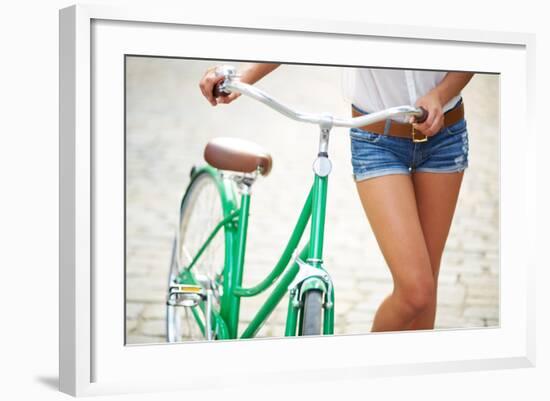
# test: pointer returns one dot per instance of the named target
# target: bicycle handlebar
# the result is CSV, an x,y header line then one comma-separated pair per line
x,y
230,84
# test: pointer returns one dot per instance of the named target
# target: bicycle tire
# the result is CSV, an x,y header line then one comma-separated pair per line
x,y
312,313
203,193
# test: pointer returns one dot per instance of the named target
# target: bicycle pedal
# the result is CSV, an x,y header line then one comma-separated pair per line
x,y
185,295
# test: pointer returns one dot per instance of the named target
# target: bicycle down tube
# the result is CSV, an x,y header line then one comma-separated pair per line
x,y
230,305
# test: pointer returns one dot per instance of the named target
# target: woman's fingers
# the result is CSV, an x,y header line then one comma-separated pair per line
x,y
229,98
207,83
432,104
437,124
433,123
425,126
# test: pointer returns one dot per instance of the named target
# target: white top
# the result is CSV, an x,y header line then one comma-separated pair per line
x,y
374,89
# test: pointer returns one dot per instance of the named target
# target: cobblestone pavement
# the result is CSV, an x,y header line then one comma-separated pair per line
x,y
168,124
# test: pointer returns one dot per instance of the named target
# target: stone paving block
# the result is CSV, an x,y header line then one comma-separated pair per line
x,y
144,339
139,271
342,307
131,325
365,306
358,316
449,322
348,296
369,285
363,327
480,282
472,262
447,278
153,328
492,322
153,282
449,316
276,330
344,284
485,288
154,312
481,312
451,295
452,257
263,331
380,293
134,310
486,301
145,295
248,311
474,242
474,322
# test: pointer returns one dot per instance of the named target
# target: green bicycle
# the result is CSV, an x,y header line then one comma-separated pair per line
x,y
206,270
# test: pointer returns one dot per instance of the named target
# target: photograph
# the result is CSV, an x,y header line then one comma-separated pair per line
x,y
267,199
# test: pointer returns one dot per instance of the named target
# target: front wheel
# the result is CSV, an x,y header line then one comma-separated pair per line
x,y
312,313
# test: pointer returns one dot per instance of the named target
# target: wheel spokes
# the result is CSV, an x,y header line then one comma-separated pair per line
x,y
201,213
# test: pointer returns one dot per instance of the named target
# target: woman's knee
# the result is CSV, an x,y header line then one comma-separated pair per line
x,y
417,295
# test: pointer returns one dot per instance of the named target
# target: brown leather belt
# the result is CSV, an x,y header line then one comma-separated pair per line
x,y
405,130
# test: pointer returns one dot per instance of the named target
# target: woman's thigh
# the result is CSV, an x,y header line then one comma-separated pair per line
x,y
436,197
390,205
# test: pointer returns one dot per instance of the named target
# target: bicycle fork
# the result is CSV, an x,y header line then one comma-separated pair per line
x,y
310,278
311,275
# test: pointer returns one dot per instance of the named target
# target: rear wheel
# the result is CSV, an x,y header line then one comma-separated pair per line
x,y
312,313
201,211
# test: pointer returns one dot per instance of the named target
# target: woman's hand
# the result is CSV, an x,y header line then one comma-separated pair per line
x,y
434,100
433,105
251,74
207,83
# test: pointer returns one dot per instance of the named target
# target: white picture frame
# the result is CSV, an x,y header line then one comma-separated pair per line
x,y
93,360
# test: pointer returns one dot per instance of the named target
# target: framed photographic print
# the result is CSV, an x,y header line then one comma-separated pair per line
x,y
253,199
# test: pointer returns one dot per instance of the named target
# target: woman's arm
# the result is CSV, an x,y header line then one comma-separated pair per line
x,y
434,100
254,72
250,75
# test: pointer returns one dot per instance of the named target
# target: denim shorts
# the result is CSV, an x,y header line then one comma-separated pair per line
x,y
374,155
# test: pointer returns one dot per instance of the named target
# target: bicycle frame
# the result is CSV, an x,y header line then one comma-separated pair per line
x,y
300,276
235,224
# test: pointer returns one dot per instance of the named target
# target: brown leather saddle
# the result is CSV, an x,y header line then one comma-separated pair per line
x,y
237,154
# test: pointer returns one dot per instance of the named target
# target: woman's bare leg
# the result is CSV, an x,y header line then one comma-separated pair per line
x,y
390,205
436,197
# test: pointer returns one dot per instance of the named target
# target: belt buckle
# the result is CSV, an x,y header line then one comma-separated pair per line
x,y
418,139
